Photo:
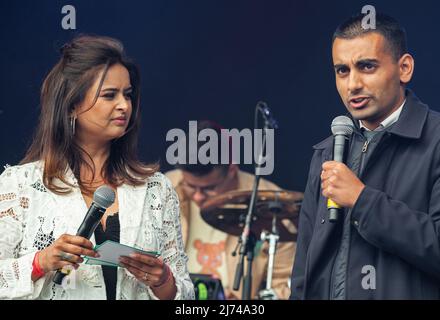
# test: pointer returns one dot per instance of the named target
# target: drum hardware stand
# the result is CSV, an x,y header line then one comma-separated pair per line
x,y
247,239
272,238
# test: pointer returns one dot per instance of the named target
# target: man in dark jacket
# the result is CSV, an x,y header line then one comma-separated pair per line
x,y
385,245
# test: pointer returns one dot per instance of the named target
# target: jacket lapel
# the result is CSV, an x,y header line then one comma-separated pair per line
x,y
324,231
131,208
71,207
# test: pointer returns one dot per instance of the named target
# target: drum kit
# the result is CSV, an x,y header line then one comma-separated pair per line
x,y
275,219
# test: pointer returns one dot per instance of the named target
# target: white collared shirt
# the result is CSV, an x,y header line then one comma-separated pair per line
x,y
391,119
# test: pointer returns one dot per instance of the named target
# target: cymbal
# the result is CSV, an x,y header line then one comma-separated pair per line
x,y
227,212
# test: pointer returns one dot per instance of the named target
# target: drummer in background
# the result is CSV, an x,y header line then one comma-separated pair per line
x,y
210,250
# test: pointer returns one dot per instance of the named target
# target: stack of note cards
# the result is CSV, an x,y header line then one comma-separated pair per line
x,y
111,251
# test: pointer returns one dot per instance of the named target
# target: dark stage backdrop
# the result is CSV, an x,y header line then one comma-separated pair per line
x,y
208,60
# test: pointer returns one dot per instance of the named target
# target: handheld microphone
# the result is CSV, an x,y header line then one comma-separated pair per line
x,y
342,128
103,198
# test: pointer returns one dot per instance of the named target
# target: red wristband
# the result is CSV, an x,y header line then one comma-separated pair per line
x,y
168,277
36,269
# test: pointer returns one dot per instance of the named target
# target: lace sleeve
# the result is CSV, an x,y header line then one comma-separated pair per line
x,y
173,251
15,270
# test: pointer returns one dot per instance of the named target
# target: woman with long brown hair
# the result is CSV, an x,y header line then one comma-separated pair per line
x,y
86,138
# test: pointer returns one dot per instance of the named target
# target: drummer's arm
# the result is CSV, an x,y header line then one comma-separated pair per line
x,y
282,269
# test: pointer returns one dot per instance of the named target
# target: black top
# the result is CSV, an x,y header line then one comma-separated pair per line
x,y
112,232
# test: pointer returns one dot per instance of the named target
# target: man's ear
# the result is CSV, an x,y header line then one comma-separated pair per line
x,y
406,68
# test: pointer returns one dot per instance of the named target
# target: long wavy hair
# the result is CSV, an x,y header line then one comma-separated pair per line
x,y
64,88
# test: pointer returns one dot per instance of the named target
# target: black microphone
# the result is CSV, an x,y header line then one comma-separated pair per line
x,y
342,128
103,198
267,115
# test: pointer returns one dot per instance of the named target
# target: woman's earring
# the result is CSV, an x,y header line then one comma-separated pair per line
x,y
72,124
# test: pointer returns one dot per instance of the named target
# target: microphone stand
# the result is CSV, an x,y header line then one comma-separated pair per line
x,y
247,240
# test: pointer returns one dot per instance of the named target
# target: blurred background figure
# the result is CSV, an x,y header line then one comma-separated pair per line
x,y
209,249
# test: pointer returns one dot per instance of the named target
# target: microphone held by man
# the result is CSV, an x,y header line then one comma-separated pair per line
x,y
342,128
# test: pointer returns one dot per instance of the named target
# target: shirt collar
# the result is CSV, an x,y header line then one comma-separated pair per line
x,y
391,119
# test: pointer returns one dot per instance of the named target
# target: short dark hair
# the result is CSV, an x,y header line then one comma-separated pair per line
x,y
387,26
199,169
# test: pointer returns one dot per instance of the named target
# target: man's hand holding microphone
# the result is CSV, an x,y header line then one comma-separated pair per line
x,y
338,183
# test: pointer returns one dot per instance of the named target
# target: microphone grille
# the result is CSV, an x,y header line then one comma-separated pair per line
x,y
104,196
342,125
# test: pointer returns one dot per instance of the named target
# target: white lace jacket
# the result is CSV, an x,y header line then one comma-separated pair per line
x,y
32,217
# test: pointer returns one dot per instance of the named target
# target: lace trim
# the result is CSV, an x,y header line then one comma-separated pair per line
x,y
38,185
7,196
43,239
9,213
24,202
